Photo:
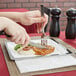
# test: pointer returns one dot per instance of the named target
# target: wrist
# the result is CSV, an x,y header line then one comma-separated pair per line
x,y
17,16
3,24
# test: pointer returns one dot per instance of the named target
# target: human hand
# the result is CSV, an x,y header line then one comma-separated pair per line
x,y
30,17
41,26
18,33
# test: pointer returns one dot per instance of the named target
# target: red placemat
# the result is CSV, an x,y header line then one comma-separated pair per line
x,y
71,42
3,66
13,10
67,73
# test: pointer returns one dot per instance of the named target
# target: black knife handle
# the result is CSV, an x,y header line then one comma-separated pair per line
x,y
42,10
3,33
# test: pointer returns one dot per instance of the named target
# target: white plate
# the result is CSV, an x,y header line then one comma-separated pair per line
x,y
14,55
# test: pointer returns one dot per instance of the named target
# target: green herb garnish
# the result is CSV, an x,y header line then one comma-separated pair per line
x,y
17,47
29,45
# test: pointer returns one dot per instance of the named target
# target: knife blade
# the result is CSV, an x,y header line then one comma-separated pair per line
x,y
30,43
38,45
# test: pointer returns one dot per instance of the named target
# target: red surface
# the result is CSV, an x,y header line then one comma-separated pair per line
x,y
3,66
68,73
13,10
72,42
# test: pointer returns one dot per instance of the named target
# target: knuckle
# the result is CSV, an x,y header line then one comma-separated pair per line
x,y
14,34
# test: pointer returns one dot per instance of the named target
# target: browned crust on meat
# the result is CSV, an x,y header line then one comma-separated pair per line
x,y
39,51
